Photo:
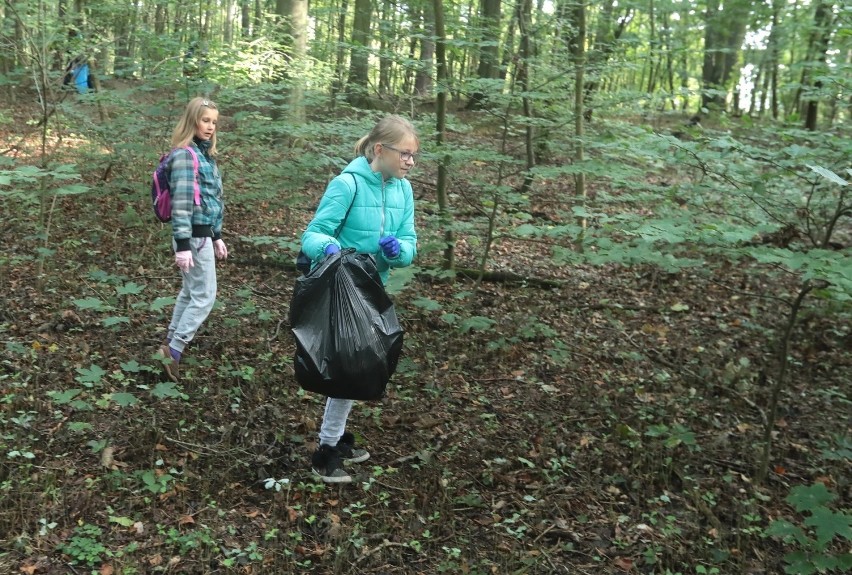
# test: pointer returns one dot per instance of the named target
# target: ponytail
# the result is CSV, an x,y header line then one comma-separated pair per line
x,y
389,130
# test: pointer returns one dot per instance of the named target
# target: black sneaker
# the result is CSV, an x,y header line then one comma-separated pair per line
x,y
327,464
349,452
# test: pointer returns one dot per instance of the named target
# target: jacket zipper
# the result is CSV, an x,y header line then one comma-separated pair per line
x,y
382,228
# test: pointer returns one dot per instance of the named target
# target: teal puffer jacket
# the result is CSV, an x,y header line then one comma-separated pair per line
x,y
380,208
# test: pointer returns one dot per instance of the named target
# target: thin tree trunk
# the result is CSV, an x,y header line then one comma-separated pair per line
x,y
579,50
340,57
386,40
440,132
359,59
423,79
526,57
489,65
820,38
245,18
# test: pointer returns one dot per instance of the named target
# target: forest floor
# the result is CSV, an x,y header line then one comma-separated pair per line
x,y
608,422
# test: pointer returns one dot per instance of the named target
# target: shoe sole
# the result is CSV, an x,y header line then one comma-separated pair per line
x,y
360,459
332,480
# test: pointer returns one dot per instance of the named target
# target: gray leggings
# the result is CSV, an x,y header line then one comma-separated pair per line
x,y
334,420
197,295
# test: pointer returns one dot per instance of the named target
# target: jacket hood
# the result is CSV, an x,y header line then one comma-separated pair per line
x,y
361,167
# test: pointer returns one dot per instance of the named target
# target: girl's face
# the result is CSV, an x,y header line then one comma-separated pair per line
x,y
396,160
206,126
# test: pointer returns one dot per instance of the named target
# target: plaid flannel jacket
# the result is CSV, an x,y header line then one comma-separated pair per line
x,y
184,213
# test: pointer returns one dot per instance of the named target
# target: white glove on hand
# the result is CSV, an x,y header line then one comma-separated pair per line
x,y
221,249
183,260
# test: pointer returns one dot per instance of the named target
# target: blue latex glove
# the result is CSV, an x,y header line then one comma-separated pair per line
x,y
390,246
331,249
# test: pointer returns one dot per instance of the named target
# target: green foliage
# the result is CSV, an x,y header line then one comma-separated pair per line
x,y
814,536
85,546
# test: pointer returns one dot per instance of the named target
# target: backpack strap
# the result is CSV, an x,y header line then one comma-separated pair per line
x,y
195,185
352,203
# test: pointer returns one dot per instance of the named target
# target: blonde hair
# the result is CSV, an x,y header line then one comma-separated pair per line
x,y
185,130
390,130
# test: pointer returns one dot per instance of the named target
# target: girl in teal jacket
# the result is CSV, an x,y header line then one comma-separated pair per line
x,y
369,207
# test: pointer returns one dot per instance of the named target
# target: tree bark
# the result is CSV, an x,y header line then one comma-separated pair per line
x,y
423,79
579,51
723,35
245,18
819,38
359,59
440,132
488,67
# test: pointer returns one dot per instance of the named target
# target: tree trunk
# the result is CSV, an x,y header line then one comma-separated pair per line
x,y
524,64
489,65
509,41
579,51
338,84
359,60
258,19
723,35
228,32
773,48
245,18
294,25
388,23
440,131
160,19
423,79
819,38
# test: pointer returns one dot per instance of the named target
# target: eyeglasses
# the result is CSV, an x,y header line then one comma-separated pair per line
x,y
404,156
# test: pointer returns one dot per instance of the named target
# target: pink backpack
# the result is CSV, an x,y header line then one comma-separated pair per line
x,y
161,193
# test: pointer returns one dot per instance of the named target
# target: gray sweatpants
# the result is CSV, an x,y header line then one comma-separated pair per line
x,y
334,420
197,295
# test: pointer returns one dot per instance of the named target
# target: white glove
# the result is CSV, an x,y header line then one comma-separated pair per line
x,y
183,260
220,249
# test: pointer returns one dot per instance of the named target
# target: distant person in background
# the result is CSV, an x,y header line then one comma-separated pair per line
x,y
369,207
196,230
77,73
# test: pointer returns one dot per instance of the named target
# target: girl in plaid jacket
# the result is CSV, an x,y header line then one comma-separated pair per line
x,y
196,229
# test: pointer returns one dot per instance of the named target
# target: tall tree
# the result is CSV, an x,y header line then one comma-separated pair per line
x,y
724,31
359,60
294,26
440,132
817,55
488,67
423,79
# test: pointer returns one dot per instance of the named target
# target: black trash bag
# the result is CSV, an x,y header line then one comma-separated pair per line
x,y
348,338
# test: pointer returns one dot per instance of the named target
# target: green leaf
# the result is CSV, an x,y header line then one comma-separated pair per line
x,y
64,397
477,323
799,563
131,366
161,302
115,320
786,530
679,307
427,304
828,174
130,288
91,303
124,399
827,524
91,374
808,497
123,521
166,389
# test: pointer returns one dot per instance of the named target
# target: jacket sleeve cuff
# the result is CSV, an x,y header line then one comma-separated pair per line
x,y
182,245
217,235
